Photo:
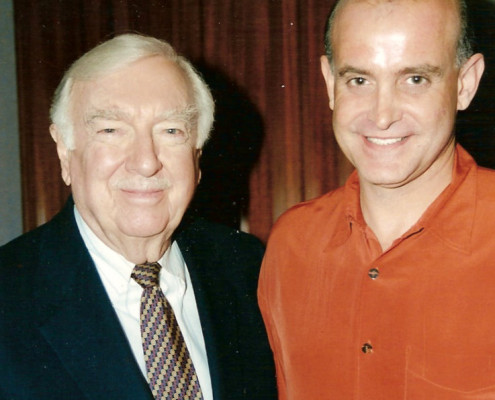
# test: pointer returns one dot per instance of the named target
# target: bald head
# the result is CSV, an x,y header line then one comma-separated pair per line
x,y
462,36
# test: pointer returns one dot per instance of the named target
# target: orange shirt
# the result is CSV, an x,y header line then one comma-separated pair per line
x,y
346,321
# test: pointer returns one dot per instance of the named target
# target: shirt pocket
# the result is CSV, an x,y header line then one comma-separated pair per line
x,y
440,376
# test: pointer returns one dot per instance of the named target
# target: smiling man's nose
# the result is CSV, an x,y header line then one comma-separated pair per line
x,y
385,109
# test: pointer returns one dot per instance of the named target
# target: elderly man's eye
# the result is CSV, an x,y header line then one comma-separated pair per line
x,y
107,130
175,132
174,136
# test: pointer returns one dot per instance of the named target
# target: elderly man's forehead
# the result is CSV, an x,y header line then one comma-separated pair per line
x,y
171,68
171,72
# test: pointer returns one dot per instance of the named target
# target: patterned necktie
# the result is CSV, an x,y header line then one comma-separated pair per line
x,y
171,374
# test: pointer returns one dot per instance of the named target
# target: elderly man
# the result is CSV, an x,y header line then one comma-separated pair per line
x,y
115,298
383,289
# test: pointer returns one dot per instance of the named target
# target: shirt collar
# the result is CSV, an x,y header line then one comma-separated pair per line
x,y
172,261
451,216
458,199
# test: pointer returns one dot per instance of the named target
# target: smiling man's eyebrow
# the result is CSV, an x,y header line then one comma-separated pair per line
x,y
348,69
423,69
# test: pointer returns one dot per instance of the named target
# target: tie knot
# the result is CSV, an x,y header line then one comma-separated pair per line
x,y
146,275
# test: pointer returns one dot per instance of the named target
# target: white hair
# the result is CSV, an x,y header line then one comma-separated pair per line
x,y
119,52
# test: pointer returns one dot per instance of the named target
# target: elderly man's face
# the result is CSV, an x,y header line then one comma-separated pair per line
x,y
395,88
134,168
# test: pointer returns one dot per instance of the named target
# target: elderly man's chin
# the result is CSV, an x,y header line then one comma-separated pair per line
x,y
149,215
148,225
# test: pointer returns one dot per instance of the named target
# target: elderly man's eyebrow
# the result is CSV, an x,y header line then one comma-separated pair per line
x,y
107,114
188,114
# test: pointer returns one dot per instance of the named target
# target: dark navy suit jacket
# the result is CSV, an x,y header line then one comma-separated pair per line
x,y
60,337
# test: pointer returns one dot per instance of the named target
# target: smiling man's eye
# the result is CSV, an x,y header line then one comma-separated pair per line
x,y
358,81
417,79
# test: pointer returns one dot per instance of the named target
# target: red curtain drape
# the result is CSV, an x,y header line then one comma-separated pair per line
x,y
272,146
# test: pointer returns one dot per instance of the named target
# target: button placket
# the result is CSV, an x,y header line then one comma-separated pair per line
x,y
373,274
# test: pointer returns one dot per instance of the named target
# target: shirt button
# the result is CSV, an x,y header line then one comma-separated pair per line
x,y
367,348
373,273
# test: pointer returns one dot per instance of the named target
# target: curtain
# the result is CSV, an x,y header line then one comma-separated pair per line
x,y
272,144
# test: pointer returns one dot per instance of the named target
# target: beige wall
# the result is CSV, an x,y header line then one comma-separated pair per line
x,y
10,182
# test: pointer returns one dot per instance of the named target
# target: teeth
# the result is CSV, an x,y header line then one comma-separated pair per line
x,y
384,142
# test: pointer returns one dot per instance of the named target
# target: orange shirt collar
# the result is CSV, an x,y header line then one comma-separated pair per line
x,y
458,199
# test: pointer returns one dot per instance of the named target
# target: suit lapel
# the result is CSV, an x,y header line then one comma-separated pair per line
x,y
217,307
78,320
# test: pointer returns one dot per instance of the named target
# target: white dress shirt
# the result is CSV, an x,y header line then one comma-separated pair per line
x,y
125,295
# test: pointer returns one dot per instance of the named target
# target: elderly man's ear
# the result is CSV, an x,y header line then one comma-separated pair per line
x,y
469,79
63,153
199,153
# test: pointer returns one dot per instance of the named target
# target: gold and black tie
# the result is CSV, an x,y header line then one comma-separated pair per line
x,y
171,374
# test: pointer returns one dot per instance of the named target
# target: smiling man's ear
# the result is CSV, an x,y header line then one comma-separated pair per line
x,y
469,79
63,153
326,70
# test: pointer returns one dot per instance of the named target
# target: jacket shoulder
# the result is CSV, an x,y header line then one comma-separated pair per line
x,y
226,253
20,255
221,240
57,233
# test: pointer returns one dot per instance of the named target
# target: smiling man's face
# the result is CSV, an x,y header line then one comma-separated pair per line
x,y
394,87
